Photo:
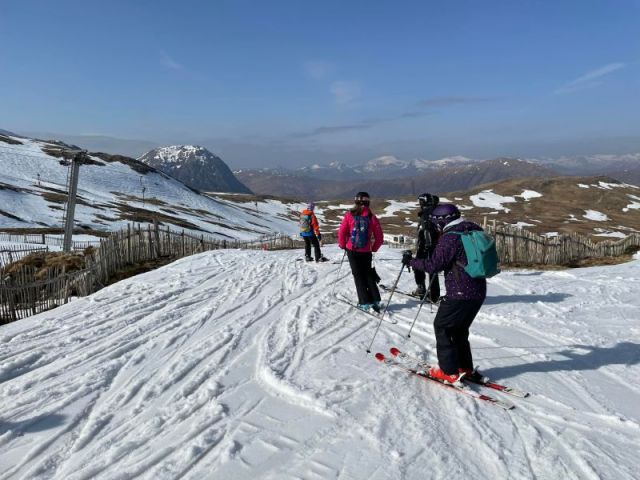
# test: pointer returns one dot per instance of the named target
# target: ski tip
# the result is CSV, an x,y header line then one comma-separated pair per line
x,y
394,351
380,357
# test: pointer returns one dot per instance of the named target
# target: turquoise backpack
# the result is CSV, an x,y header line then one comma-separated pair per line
x,y
482,256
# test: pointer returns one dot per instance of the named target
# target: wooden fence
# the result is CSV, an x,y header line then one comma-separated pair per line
x,y
12,253
22,296
520,247
45,239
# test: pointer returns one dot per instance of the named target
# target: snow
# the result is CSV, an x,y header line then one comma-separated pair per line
x,y
523,224
108,189
632,206
582,185
238,365
608,233
489,199
529,194
178,153
595,216
396,207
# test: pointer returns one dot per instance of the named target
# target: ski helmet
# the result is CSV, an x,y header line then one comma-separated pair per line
x,y
362,198
444,214
428,200
311,206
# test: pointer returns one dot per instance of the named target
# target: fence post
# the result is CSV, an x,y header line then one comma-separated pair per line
x,y
66,284
156,234
129,243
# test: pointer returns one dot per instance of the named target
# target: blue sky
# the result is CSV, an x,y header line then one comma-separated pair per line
x,y
285,82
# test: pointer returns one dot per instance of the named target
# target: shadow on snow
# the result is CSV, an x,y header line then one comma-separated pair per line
x,y
576,358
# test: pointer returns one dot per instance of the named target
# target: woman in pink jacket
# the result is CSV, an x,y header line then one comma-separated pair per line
x,y
361,234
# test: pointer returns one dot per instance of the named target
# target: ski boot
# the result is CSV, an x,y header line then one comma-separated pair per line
x,y
365,307
322,259
308,259
473,375
419,292
438,374
376,307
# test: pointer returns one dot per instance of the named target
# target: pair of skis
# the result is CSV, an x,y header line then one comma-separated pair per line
x,y
368,312
402,360
407,294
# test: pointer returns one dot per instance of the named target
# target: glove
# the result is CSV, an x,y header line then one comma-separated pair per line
x,y
407,256
319,235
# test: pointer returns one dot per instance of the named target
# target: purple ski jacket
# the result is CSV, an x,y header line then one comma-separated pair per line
x,y
448,251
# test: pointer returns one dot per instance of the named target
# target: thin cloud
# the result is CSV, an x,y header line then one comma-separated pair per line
x,y
413,114
333,129
344,92
452,100
318,69
590,79
168,62
363,125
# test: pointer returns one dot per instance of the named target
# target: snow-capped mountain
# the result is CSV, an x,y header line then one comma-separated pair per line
x,y
196,167
387,165
452,175
114,190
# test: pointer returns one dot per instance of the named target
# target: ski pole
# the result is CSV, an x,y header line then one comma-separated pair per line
x,y
427,294
393,289
333,289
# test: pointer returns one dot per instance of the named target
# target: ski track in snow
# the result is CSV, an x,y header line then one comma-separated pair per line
x,y
238,364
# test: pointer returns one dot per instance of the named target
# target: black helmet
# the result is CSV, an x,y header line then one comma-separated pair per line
x,y
428,200
362,198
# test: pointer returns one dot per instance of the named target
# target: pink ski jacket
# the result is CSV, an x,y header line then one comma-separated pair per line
x,y
347,226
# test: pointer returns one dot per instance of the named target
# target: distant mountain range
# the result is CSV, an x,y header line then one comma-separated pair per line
x,y
390,176
456,174
196,167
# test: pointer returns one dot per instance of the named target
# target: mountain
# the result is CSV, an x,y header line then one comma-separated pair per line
x,y
384,166
625,168
114,191
196,167
599,207
451,175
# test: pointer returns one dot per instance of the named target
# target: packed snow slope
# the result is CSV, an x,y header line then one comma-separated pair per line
x,y
238,365
114,191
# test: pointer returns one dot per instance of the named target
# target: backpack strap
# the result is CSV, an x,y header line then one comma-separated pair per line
x,y
458,263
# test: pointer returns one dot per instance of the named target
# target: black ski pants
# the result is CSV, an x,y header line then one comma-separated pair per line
x,y
363,277
312,240
451,326
420,276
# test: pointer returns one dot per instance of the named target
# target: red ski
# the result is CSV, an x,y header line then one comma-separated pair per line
x,y
457,387
484,381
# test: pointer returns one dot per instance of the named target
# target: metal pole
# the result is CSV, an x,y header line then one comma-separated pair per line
x,y
395,284
71,200
428,292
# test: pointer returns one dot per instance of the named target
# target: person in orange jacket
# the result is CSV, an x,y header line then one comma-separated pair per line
x,y
310,232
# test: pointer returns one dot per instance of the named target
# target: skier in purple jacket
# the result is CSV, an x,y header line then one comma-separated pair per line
x,y
465,295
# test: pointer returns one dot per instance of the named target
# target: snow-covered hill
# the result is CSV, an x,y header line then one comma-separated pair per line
x,y
194,166
115,190
238,365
